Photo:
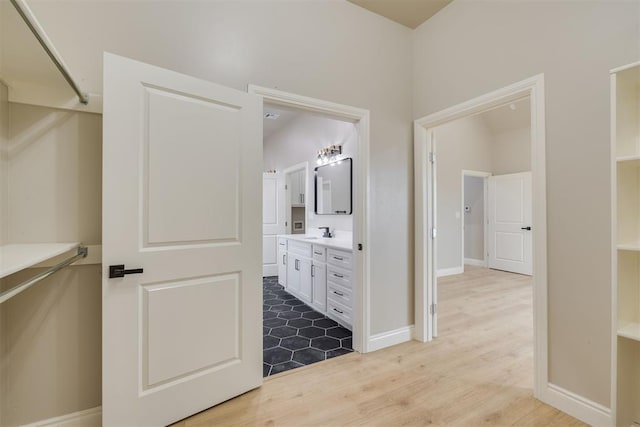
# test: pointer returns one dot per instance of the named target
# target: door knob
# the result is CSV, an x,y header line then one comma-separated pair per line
x,y
119,271
525,228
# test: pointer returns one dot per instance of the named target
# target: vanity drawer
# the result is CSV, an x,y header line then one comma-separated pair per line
x,y
319,253
300,248
282,244
339,258
338,276
339,294
339,313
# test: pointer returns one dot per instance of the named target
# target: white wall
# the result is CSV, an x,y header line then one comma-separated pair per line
x,y
4,167
471,48
463,144
50,336
299,141
474,218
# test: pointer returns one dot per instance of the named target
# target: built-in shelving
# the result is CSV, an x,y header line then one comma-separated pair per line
x,y
16,257
631,331
625,132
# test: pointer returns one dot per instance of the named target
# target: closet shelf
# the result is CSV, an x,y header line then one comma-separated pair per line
x,y
14,258
629,160
635,246
631,331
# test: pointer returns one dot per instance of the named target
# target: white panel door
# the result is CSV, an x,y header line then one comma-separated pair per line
x,y
510,240
273,220
182,160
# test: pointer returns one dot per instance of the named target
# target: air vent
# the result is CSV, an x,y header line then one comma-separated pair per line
x,y
272,116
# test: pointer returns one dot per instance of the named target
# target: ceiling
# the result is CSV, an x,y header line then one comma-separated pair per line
x,y
272,126
409,13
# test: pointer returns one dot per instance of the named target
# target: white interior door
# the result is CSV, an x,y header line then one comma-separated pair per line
x,y
273,220
510,237
182,160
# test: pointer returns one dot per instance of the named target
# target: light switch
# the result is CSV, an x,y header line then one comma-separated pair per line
x,y
457,214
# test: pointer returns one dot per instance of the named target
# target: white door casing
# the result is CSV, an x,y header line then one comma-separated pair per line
x,y
510,243
274,218
181,199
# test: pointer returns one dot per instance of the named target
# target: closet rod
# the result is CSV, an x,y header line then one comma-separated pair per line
x,y
44,41
82,253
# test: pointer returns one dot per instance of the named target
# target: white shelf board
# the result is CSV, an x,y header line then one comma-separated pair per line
x,y
631,331
14,258
629,160
635,246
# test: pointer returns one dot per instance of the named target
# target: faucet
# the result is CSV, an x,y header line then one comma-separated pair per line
x,y
327,233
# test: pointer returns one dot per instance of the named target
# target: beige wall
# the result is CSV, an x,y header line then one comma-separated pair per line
x,y
51,334
463,144
331,50
471,48
4,167
511,151
299,141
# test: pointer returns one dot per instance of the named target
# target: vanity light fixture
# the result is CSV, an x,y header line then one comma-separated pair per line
x,y
329,154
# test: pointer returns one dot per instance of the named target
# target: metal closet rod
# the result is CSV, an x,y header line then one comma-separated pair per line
x,y
84,98
82,253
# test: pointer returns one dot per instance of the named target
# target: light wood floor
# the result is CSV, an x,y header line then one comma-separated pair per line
x,y
479,371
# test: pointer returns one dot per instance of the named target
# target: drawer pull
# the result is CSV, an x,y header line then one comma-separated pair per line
x,y
284,257
338,293
338,311
340,276
317,253
281,244
339,258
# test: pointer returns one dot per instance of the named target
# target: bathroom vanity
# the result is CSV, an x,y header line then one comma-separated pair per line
x,y
318,271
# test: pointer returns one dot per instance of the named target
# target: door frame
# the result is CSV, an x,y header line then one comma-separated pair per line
x,y
533,88
361,221
303,166
485,181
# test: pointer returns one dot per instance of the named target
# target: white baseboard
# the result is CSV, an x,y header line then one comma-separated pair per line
x,y
269,270
387,339
449,271
87,418
577,406
473,261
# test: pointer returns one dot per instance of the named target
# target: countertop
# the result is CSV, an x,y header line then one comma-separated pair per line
x,y
343,244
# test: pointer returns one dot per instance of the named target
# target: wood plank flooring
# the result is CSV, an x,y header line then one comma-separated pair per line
x,y
479,371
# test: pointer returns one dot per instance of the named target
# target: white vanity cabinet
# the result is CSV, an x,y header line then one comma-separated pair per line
x,y
339,289
282,262
319,278
318,274
299,280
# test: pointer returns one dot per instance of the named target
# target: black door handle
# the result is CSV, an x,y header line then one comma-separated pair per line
x,y
119,271
525,228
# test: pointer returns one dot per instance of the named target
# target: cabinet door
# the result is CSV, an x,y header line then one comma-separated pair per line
x,y
320,287
306,287
282,267
302,185
294,184
293,275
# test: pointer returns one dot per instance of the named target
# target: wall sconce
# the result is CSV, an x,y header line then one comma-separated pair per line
x,y
329,154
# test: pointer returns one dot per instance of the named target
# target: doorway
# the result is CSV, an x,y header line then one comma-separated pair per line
x,y
428,225
312,332
474,218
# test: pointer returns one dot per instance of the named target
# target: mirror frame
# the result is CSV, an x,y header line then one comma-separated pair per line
x,y
315,187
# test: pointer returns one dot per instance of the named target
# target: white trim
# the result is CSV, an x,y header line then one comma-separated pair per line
x,y
614,251
534,89
388,339
361,211
485,176
475,262
87,418
577,406
443,272
624,68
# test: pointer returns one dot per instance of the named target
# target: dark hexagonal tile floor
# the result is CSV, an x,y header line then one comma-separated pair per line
x,y
294,334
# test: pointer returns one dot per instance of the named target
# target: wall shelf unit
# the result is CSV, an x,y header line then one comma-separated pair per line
x,y
625,145
14,258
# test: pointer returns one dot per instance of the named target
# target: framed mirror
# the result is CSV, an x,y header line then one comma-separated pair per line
x,y
333,188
